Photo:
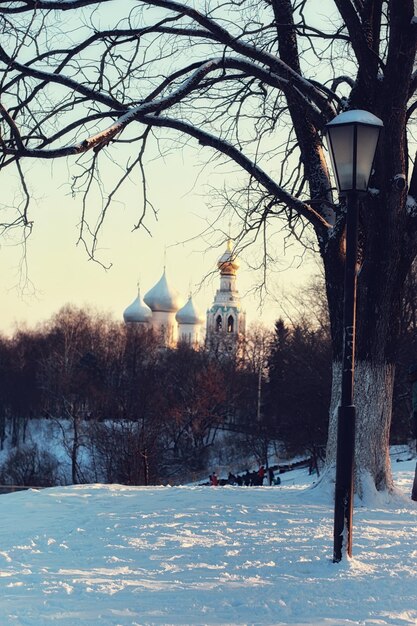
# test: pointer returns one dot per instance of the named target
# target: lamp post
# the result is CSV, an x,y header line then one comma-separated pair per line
x,y
352,138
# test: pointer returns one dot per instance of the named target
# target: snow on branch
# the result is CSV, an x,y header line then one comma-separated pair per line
x,y
248,68
47,5
274,63
155,105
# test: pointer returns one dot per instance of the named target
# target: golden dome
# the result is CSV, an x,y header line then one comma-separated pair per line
x,y
228,263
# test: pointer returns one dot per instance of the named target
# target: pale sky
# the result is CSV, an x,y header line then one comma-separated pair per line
x,y
61,273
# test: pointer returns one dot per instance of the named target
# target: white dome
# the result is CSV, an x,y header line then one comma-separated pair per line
x,y
162,297
137,311
189,314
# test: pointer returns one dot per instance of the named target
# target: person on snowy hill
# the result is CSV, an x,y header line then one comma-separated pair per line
x,y
214,481
261,475
247,478
231,479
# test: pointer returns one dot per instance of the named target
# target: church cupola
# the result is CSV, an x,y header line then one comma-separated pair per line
x,y
162,297
164,301
138,312
228,264
189,323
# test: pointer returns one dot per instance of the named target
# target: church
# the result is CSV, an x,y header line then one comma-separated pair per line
x,y
162,309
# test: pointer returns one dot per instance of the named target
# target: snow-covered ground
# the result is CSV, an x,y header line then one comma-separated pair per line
x,y
101,554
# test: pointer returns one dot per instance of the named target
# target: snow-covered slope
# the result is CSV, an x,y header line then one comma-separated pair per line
x,y
98,554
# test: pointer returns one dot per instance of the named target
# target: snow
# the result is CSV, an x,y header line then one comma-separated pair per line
x,y
356,116
119,555
411,206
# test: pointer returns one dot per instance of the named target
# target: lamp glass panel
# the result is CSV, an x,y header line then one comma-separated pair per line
x,y
341,149
367,141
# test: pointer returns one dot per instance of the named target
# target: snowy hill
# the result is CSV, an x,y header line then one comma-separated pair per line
x,y
201,555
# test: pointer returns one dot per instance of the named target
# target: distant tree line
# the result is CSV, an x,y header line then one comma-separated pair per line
x,y
131,412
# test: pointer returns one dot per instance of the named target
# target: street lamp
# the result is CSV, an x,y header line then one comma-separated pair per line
x,y
352,139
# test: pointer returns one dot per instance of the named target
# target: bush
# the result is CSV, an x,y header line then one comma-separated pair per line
x,y
28,466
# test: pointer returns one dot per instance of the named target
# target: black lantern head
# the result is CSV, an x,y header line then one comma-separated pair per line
x,y
352,138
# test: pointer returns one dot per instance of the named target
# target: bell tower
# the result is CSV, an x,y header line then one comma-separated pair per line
x,y
226,321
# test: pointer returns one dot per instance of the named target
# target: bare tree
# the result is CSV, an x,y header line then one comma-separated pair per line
x,y
298,390
68,377
255,83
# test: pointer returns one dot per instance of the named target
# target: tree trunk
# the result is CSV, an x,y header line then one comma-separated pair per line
x,y
2,430
382,268
145,466
373,400
74,452
414,490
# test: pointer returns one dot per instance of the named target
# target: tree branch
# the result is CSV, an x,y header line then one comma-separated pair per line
x,y
13,128
357,32
225,37
154,106
48,5
254,170
49,77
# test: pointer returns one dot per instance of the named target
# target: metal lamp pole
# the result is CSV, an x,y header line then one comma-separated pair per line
x,y
346,418
352,137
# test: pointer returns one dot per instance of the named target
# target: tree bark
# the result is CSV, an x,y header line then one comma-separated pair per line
x,y
414,489
74,452
373,400
381,268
